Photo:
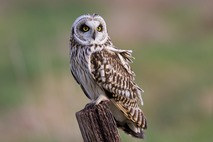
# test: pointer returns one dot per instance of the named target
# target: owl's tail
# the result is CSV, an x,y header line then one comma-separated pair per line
x,y
131,129
135,121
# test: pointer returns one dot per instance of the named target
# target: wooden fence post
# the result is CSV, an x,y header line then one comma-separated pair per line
x,y
97,123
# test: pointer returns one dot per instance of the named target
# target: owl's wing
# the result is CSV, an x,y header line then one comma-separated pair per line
x,y
76,79
111,71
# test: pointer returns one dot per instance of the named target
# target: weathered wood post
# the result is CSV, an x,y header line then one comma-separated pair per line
x,y
97,123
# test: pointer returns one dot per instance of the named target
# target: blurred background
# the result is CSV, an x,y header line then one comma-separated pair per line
x,y
171,40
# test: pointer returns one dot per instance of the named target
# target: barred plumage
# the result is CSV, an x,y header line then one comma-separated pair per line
x,y
103,71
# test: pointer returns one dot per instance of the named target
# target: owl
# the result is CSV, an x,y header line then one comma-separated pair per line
x,y
103,72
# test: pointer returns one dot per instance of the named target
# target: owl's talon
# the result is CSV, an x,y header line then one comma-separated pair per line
x,y
89,105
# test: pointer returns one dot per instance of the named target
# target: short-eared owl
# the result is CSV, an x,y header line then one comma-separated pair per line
x,y
104,73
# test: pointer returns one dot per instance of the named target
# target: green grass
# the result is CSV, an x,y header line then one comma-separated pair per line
x,y
175,77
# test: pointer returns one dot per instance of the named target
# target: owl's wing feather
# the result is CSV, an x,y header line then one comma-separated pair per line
x,y
111,71
76,79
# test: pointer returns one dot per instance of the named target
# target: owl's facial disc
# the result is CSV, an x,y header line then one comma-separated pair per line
x,y
90,29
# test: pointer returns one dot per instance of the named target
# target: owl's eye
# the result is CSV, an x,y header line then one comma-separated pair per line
x,y
100,28
84,28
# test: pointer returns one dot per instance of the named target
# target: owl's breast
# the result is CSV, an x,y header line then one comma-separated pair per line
x,y
80,68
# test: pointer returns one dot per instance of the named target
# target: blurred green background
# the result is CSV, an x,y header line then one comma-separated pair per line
x,y
172,42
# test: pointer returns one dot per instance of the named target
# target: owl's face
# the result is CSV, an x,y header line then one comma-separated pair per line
x,y
90,29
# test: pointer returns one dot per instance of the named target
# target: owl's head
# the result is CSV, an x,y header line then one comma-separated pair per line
x,y
89,29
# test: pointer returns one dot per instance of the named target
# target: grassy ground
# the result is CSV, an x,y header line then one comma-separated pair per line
x,y
38,96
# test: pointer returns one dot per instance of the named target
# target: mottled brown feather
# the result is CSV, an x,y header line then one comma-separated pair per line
x,y
110,73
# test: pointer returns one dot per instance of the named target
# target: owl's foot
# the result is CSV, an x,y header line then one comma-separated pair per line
x,y
90,105
100,99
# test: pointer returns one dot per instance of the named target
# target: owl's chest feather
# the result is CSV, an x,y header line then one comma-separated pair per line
x,y
80,67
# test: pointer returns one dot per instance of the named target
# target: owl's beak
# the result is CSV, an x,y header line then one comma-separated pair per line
x,y
94,35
